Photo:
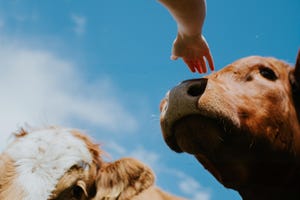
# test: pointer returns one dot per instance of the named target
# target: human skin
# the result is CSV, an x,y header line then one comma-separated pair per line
x,y
190,44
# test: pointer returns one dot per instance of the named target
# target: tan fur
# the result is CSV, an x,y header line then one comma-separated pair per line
x,y
71,179
242,124
93,148
122,179
8,175
154,193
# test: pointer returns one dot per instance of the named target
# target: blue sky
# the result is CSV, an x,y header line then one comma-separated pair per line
x,y
103,66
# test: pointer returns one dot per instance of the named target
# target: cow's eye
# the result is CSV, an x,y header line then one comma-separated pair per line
x,y
267,73
77,192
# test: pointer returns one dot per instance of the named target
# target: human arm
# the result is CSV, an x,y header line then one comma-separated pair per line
x,y
190,44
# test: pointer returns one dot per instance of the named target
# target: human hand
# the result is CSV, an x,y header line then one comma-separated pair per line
x,y
194,51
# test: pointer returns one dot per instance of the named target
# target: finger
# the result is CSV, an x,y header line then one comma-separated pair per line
x,y
189,64
192,64
203,65
198,66
192,67
210,61
173,57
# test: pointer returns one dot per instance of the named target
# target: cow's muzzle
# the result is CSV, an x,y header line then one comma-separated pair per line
x,y
180,102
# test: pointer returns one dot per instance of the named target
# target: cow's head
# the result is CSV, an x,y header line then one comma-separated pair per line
x,y
61,164
241,123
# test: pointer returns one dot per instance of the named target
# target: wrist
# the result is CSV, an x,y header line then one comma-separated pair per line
x,y
189,36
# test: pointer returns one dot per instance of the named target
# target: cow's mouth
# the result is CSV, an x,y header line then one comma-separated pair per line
x,y
195,134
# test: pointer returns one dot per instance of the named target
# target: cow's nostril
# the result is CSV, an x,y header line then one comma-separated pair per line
x,y
196,89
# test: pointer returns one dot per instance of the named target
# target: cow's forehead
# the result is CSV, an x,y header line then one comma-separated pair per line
x,y
43,156
256,61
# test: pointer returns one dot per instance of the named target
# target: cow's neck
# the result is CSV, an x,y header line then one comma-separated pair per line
x,y
280,185
263,192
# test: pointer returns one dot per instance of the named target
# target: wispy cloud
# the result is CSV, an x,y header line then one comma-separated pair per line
x,y
28,17
191,187
149,157
38,87
80,24
2,23
187,185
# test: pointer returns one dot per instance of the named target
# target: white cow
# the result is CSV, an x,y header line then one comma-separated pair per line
x,y
59,163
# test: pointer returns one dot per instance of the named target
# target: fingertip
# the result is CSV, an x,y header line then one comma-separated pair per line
x,y
192,68
210,61
199,68
190,65
203,65
204,70
172,57
211,66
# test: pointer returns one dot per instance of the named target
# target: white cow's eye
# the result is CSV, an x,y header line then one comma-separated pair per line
x,y
267,73
77,192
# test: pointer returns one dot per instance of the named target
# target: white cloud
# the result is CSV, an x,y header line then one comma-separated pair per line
x,y
2,23
148,157
39,88
115,148
191,187
22,17
80,24
186,184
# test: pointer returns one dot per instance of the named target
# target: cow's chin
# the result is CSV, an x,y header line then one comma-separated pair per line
x,y
195,134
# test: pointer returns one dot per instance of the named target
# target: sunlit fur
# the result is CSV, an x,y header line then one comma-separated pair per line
x,y
61,164
242,125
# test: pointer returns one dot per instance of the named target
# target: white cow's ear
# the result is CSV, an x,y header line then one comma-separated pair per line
x,y
123,179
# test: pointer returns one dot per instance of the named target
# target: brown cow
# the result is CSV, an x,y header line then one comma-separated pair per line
x,y
64,164
242,124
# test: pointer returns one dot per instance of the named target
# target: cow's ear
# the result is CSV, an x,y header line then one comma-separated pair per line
x,y
295,83
295,75
123,179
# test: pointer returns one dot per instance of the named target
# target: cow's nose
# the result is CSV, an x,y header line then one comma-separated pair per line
x,y
189,89
195,87
184,97
181,101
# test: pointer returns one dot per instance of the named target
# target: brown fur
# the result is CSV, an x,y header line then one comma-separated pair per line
x,y
242,124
